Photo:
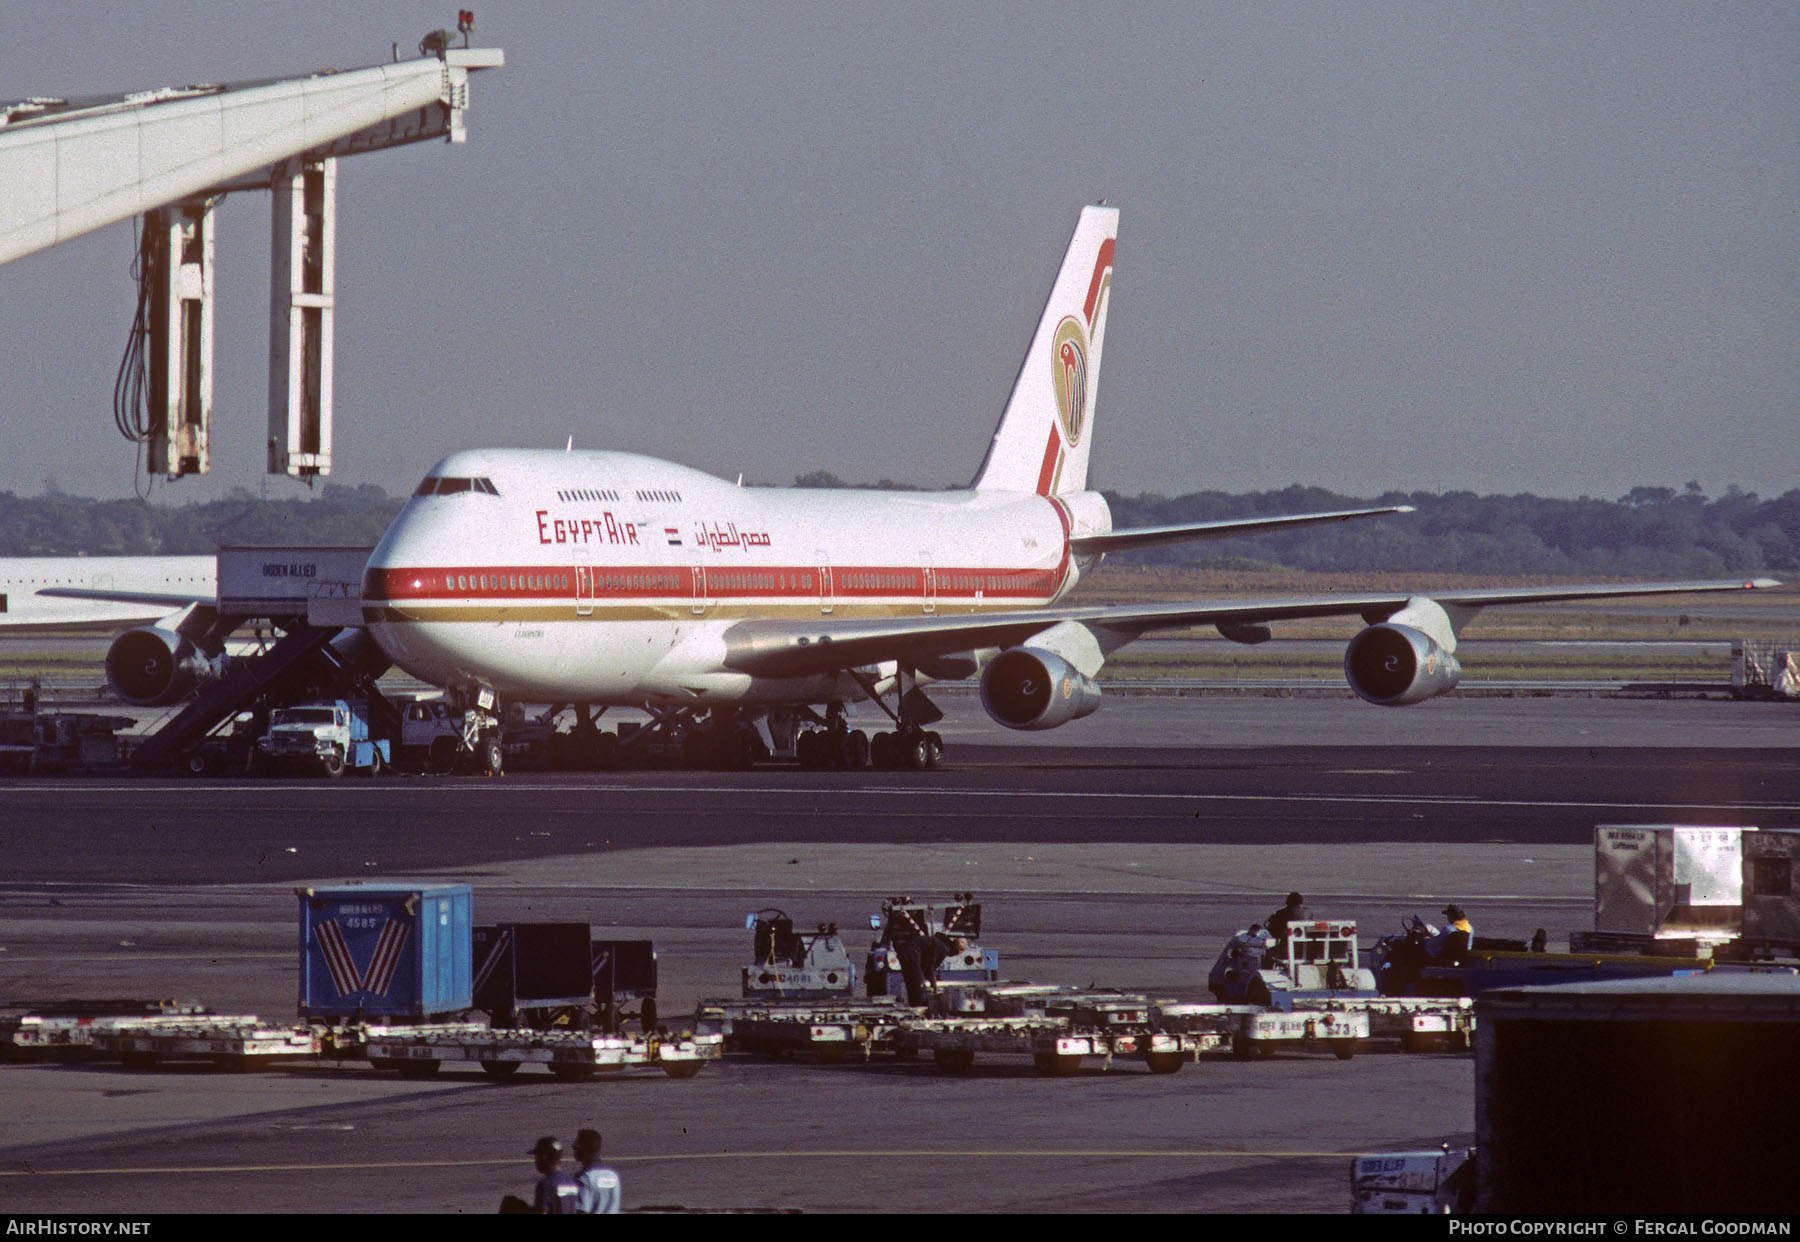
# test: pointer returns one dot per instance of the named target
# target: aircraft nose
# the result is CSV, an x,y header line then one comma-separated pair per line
x,y
401,557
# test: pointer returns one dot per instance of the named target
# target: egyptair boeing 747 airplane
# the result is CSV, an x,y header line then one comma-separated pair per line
x,y
596,578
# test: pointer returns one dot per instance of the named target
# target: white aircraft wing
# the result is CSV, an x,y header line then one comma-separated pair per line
x,y
151,598
1149,536
787,648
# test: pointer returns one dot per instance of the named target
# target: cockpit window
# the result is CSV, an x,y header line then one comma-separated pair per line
x,y
445,486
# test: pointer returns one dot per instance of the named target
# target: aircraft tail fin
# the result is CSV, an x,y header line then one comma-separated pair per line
x,y
1047,428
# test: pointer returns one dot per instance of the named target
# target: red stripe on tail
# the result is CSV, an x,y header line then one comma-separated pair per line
x,y
1102,265
1047,471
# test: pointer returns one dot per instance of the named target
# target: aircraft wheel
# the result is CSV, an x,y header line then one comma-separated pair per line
x,y
806,749
493,758
881,750
936,755
859,749
916,751
743,747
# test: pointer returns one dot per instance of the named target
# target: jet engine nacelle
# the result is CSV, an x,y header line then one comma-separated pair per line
x,y
1023,688
1396,665
152,667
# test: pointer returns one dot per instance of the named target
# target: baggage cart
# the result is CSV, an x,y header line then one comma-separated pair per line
x,y
242,1042
570,1056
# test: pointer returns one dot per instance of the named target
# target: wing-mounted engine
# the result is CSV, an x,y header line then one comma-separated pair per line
x,y
1409,657
1396,665
1026,688
151,666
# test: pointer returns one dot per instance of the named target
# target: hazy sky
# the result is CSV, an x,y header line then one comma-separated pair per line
x,y
1497,247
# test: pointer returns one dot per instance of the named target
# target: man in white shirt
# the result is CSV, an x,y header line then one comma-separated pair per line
x,y
599,1193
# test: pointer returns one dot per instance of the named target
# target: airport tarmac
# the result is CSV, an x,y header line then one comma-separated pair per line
x,y
1123,863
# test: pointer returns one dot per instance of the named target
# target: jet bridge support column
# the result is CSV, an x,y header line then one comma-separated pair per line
x,y
176,271
302,302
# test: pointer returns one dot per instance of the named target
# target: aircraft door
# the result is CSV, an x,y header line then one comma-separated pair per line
x,y
584,591
826,603
700,600
928,583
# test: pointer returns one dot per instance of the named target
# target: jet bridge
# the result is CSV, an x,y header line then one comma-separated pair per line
x,y
169,156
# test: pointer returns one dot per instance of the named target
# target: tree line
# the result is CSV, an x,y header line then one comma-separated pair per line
x,y
1649,532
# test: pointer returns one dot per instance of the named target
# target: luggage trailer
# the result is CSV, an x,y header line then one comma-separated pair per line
x,y
236,1043
570,1056
65,1029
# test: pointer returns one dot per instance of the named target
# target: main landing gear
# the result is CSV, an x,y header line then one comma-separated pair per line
x,y
676,737
722,738
908,747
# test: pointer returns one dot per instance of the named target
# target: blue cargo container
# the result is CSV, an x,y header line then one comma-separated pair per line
x,y
385,954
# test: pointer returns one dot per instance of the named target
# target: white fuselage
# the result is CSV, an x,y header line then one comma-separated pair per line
x,y
609,578
21,578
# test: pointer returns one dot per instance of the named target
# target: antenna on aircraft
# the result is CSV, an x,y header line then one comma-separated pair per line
x,y
570,446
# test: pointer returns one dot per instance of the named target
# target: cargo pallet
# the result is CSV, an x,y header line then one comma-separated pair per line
x,y
570,1056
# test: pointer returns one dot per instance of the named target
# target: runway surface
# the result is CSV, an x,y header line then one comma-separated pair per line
x,y
1123,865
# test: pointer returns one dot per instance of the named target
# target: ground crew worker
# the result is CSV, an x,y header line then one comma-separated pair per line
x,y
598,1186
1456,937
1293,912
556,1190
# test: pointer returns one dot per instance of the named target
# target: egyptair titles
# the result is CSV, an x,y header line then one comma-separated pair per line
x,y
608,528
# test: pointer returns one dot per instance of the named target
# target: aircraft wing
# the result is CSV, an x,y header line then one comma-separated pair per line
x,y
1150,536
151,598
786,648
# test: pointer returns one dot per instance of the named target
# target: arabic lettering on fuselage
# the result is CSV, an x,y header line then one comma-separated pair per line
x,y
602,528
720,537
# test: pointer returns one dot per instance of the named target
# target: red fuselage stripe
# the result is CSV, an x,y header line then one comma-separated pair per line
x,y
786,583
